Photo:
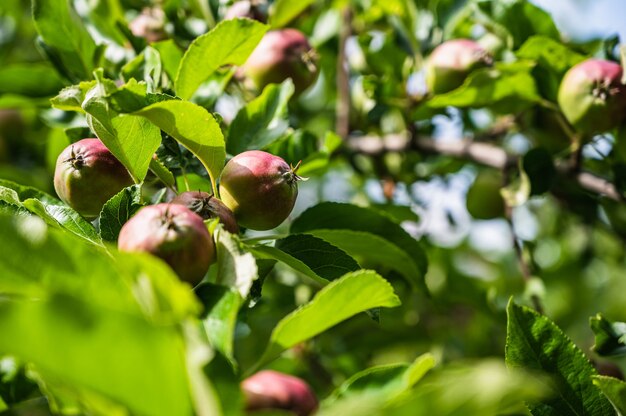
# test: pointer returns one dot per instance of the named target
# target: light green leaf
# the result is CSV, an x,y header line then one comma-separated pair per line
x,y
284,11
62,216
171,55
615,390
158,168
60,27
195,128
322,313
236,267
34,80
229,43
535,343
71,98
262,120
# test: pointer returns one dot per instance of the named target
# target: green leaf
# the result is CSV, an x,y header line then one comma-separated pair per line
x,y
262,120
62,216
134,143
118,210
272,253
324,259
50,209
221,305
322,313
229,43
65,298
158,168
60,27
534,342
195,128
339,216
171,55
236,267
71,98
610,336
373,251
614,389
391,380
523,19
34,80
504,88
284,11
553,60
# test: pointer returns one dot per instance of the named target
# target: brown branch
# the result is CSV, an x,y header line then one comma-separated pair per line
x,y
482,153
342,123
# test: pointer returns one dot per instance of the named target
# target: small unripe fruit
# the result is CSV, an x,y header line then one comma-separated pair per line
x,y
282,54
149,25
592,96
87,175
452,61
273,390
208,207
259,188
173,233
484,200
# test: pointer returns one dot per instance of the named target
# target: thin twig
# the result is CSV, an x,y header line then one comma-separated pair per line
x,y
482,153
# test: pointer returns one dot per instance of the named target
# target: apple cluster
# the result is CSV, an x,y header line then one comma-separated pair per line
x,y
258,191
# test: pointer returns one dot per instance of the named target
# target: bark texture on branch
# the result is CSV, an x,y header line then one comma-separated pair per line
x,y
482,153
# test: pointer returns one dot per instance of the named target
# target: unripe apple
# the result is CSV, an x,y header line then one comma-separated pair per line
x,y
451,62
592,96
483,199
273,390
173,233
282,54
259,188
87,175
149,25
208,207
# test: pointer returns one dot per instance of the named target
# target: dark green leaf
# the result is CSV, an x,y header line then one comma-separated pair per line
x,y
539,167
34,80
339,216
221,305
229,43
320,256
262,120
610,336
118,210
534,342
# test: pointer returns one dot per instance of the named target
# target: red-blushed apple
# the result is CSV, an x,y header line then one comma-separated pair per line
x,y
451,62
173,233
282,54
208,207
259,188
87,175
592,96
273,390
